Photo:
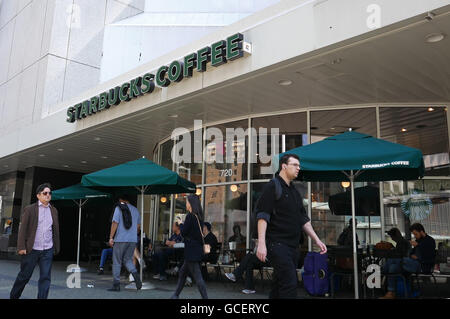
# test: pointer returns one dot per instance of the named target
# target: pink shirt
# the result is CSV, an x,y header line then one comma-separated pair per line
x,y
44,232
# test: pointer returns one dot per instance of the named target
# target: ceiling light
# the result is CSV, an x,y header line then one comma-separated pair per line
x,y
66,166
174,116
83,162
404,129
430,109
434,37
285,82
41,155
163,199
198,192
97,139
336,61
104,157
233,188
60,149
5,166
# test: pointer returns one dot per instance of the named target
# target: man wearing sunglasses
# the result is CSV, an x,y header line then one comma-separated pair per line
x,y
38,241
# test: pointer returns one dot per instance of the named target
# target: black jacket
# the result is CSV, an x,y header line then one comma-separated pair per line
x,y
193,242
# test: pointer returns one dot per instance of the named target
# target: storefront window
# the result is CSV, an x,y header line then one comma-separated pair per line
x,y
166,154
189,156
226,210
227,162
291,134
424,128
163,227
330,223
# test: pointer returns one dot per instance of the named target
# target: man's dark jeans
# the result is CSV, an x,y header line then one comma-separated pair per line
x,y
248,263
161,260
284,260
42,257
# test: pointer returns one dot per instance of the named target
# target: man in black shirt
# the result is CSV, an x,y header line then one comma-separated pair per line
x,y
280,224
421,258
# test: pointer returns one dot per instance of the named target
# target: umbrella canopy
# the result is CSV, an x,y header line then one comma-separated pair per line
x,y
142,172
77,192
376,159
367,202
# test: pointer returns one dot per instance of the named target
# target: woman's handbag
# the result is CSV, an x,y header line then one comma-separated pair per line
x,y
206,247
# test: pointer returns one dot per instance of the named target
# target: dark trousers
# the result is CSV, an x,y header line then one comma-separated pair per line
x,y
284,260
29,261
161,260
193,268
248,263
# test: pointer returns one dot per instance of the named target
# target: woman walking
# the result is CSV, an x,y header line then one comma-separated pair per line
x,y
193,247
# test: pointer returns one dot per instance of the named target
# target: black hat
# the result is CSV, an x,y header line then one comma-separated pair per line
x,y
393,232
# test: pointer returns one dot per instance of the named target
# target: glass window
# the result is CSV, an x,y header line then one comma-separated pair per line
x,y
163,217
189,165
329,224
424,128
291,134
226,210
227,162
166,154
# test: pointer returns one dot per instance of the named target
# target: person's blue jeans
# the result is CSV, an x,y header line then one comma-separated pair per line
x,y
161,260
248,263
397,265
29,261
106,253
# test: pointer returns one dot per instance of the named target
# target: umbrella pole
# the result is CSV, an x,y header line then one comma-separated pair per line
x,y
79,232
355,255
142,231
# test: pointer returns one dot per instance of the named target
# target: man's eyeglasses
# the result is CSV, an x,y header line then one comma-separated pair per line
x,y
46,193
295,165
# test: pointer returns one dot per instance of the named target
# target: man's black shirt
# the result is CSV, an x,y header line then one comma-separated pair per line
x,y
285,226
425,250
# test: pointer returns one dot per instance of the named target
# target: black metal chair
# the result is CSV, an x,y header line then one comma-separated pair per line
x,y
340,263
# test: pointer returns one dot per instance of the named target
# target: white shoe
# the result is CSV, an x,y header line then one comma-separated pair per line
x,y
188,282
131,278
230,276
248,291
156,276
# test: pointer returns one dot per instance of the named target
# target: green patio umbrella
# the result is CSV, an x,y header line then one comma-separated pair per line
x,y
80,195
141,176
354,156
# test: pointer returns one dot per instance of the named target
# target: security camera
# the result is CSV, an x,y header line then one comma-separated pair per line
x,y
430,16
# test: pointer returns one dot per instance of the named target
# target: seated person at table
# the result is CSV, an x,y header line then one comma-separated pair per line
x,y
402,246
240,241
210,239
421,259
106,254
346,237
238,238
161,257
247,265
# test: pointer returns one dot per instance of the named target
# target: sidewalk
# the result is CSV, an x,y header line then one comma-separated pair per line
x,y
163,290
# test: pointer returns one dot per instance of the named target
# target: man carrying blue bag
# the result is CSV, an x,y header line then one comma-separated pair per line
x,y
280,223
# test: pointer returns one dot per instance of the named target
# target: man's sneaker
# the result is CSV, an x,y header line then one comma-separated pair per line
x,y
248,291
100,271
156,276
231,276
131,278
162,278
188,282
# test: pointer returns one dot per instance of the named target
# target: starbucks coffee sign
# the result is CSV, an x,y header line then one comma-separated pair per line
x,y
217,54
